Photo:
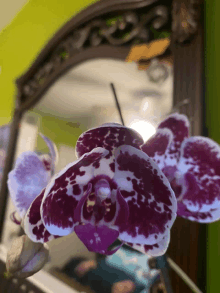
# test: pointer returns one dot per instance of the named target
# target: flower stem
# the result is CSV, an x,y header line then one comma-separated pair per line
x,y
117,103
183,275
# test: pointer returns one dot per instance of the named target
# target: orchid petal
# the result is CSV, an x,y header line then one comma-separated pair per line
x,y
210,216
26,181
108,136
97,239
199,164
78,212
122,211
156,249
53,151
178,124
151,201
156,147
33,225
65,190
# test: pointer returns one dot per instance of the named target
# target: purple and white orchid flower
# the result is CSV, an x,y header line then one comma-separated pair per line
x,y
192,166
30,175
113,191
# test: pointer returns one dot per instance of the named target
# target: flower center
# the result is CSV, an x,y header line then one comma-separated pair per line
x,y
176,188
102,190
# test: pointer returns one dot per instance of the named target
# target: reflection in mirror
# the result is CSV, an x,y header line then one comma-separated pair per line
x,y
83,95
82,99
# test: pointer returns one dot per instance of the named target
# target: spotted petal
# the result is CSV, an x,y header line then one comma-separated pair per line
x,y
178,124
108,136
156,147
156,249
66,190
151,201
33,225
200,165
212,215
26,181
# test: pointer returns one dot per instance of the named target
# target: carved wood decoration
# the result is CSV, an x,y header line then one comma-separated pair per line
x,y
108,29
186,16
120,30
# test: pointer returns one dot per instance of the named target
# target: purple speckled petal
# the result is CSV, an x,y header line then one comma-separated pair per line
x,y
78,212
156,147
117,217
151,201
65,190
108,136
178,124
206,217
33,225
26,181
122,211
53,151
96,239
156,249
200,165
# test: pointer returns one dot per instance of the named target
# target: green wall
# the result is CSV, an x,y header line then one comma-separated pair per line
x,y
24,37
212,70
59,131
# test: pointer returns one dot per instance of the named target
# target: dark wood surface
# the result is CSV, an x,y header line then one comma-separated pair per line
x,y
188,239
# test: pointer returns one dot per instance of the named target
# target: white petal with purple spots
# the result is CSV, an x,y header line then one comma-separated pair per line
x,y
33,225
154,250
178,124
156,147
109,136
151,201
210,216
200,164
65,191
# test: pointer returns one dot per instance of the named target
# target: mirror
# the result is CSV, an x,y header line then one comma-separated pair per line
x,y
84,96
82,99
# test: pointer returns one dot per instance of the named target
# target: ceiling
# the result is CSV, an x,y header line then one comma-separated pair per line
x,y
84,94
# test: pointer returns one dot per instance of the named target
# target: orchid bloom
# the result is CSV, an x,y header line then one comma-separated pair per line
x,y
113,191
32,173
191,165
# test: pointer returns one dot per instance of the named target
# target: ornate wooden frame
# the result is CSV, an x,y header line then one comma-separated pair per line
x,y
109,28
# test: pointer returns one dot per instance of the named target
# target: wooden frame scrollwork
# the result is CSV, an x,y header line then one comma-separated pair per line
x,y
108,29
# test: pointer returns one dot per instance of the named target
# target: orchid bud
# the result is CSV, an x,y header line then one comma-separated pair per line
x,y
26,257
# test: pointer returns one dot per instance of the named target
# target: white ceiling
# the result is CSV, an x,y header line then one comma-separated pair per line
x,y
84,93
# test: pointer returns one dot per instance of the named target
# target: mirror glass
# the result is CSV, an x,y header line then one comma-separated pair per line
x,y
82,99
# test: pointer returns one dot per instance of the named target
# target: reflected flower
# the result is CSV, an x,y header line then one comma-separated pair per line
x,y
113,191
191,165
32,173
